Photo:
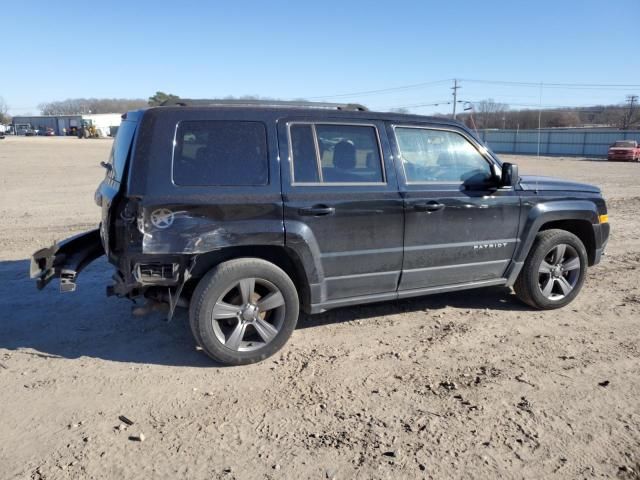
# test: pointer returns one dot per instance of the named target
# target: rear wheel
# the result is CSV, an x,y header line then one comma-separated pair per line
x,y
554,271
243,311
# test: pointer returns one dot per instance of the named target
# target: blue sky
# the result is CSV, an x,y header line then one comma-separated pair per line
x,y
286,49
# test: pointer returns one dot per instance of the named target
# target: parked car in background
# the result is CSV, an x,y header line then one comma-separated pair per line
x,y
624,150
24,129
47,132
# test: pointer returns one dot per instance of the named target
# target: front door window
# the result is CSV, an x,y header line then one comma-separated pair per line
x,y
440,156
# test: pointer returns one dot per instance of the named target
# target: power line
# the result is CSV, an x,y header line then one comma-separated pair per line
x,y
570,86
588,86
420,105
382,90
519,107
476,102
536,105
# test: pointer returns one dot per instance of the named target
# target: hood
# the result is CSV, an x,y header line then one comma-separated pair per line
x,y
532,182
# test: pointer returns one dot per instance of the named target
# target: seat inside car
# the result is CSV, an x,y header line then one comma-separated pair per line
x,y
344,163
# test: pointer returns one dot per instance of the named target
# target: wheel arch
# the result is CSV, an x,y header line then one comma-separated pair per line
x,y
281,256
581,229
575,216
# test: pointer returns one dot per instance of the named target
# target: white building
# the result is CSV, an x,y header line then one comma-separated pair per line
x,y
64,124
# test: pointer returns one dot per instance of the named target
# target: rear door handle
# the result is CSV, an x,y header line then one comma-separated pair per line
x,y
316,211
428,206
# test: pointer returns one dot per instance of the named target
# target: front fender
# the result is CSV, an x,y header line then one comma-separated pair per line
x,y
551,211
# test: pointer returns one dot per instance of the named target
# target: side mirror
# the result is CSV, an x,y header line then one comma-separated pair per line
x,y
510,176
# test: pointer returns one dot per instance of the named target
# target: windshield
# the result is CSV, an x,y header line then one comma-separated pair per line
x,y
625,144
120,149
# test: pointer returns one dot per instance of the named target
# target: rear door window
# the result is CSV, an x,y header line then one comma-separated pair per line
x,y
335,154
304,151
220,153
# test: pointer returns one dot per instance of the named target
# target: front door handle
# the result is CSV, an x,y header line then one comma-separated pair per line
x,y
431,206
316,211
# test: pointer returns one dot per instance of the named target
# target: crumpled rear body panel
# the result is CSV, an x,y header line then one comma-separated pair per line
x,y
66,259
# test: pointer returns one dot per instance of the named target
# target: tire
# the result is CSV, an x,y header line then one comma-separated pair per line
x,y
541,283
243,311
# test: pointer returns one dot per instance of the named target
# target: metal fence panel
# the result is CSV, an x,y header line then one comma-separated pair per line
x,y
574,142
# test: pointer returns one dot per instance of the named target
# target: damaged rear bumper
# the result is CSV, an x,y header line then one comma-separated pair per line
x,y
66,259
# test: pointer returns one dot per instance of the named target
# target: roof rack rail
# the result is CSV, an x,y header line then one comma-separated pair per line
x,y
188,102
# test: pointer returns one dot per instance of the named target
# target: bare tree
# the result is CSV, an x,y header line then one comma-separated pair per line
x,y
76,106
489,113
4,111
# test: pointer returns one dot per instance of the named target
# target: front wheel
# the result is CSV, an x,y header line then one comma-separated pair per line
x,y
554,271
243,311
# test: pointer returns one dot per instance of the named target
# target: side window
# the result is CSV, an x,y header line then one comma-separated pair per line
x,y
328,153
440,156
120,148
220,153
303,149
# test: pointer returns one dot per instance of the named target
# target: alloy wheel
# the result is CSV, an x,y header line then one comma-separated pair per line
x,y
559,272
248,315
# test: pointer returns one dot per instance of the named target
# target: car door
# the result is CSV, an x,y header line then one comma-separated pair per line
x,y
460,228
341,200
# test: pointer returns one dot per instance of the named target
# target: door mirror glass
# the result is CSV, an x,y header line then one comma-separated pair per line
x,y
510,176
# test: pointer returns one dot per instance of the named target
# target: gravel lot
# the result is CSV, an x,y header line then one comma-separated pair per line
x,y
464,385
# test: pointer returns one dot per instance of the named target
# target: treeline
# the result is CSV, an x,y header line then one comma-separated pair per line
x,y
74,106
4,112
484,114
490,114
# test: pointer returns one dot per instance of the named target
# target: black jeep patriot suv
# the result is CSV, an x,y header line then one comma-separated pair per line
x,y
249,213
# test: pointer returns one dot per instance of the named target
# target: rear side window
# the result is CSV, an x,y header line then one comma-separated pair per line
x,y
121,148
330,153
220,153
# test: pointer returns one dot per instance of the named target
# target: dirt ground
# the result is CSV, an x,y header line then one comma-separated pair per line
x,y
462,385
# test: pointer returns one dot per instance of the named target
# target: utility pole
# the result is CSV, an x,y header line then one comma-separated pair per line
x,y
455,96
539,119
632,99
